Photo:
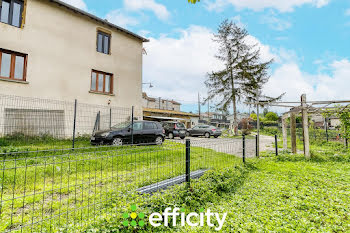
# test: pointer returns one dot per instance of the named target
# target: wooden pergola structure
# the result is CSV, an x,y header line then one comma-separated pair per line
x,y
304,107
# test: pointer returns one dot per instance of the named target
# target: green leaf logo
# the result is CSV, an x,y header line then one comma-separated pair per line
x,y
133,219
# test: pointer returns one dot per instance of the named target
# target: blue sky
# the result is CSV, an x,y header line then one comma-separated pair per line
x,y
309,40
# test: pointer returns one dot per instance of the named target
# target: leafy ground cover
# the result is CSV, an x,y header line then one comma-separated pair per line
x,y
273,194
67,190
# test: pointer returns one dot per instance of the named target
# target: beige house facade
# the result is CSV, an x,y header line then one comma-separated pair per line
x,y
51,50
59,43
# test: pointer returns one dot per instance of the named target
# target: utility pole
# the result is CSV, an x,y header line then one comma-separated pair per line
x,y
159,102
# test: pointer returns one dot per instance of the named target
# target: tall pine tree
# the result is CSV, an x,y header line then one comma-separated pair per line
x,y
244,73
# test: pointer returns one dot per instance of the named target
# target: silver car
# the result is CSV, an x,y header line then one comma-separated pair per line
x,y
204,130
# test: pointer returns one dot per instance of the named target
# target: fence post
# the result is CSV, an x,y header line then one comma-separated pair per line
x,y
346,143
188,162
276,144
74,121
243,148
132,125
99,120
256,146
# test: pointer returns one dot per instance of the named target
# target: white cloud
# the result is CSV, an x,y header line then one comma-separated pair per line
x,y
120,18
290,79
275,22
178,65
258,5
238,21
77,3
158,9
144,33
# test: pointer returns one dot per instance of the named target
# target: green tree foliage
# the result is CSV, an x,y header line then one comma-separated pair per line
x,y
193,1
271,116
255,117
244,72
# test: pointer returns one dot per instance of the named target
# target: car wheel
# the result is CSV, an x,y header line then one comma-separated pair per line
x,y
159,140
207,135
171,136
187,134
117,142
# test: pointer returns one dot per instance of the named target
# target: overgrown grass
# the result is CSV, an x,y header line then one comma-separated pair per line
x,y
274,194
21,142
66,189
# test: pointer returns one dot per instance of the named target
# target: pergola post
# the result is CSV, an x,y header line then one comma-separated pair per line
x,y
305,127
284,132
293,135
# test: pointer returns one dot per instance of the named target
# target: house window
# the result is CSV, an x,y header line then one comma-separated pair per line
x,y
101,82
12,65
103,42
11,12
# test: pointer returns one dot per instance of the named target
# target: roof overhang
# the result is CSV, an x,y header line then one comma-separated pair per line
x,y
91,16
165,118
169,112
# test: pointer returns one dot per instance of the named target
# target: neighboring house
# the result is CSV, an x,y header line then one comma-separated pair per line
x,y
189,119
49,49
334,122
215,119
159,109
240,117
159,103
320,121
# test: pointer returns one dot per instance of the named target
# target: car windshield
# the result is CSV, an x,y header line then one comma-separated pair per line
x,y
122,125
180,125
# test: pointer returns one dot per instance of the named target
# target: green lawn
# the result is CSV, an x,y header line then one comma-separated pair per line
x,y
271,194
66,189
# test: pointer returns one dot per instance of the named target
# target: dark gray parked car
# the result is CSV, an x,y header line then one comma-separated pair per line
x,y
174,129
120,134
204,130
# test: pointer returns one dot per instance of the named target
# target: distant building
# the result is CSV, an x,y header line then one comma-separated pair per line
x,y
215,119
158,109
320,121
240,117
159,103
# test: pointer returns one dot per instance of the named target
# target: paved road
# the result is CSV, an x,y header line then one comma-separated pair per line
x,y
232,146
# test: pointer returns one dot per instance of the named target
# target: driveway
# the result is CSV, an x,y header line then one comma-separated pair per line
x,y
232,145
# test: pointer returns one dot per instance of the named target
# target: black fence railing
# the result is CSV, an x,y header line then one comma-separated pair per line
x,y
69,190
47,123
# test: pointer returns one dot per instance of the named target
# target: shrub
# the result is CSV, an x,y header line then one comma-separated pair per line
x,y
271,116
271,131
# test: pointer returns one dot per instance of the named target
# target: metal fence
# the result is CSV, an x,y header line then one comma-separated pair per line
x,y
34,122
69,190
315,134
